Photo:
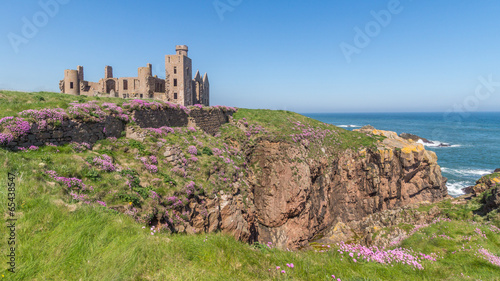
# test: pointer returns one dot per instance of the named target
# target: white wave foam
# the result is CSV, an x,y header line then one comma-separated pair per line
x,y
348,126
455,188
466,172
437,144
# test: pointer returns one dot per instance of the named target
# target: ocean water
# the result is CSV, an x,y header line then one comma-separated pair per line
x,y
474,139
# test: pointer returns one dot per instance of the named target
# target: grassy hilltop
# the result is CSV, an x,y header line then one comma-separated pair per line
x,y
65,235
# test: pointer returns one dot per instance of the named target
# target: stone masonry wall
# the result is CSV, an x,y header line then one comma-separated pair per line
x,y
210,121
75,131
71,131
207,120
171,117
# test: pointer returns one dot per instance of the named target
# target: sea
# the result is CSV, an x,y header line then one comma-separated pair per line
x,y
472,139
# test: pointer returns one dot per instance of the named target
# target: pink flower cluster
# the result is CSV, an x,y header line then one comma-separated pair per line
x,y
255,130
192,150
309,133
489,256
226,108
116,111
162,131
112,107
190,187
494,229
5,119
72,183
80,147
101,203
154,195
44,117
374,254
104,162
87,112
150,163
154,105
480,233
12,128
80,197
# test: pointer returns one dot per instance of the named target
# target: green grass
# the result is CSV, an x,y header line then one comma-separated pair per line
x,y
13,102
94,243
59,239
280,124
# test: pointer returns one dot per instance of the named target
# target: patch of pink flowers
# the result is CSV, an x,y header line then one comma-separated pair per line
x,y
87,112
192,150
44,117
150,163
104,162
162,131
80,147
12,128
71,183
101,203
480,233
374,254
489,257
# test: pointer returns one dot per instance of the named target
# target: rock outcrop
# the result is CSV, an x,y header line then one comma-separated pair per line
x,y
413,137
492,200
484,183
293,199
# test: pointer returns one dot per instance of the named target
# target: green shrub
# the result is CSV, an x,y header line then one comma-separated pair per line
x,y
207,150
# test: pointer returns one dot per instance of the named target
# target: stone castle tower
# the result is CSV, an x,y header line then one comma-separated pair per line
x,y
178,87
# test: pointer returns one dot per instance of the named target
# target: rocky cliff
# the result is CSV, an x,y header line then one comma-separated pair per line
x,y
293,198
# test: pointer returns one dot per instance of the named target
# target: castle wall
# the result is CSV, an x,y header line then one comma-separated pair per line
x,y
178,87
90,132
178,82
207,120
71,82
71,131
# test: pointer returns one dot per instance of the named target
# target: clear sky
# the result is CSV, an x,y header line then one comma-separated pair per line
x,y
305,56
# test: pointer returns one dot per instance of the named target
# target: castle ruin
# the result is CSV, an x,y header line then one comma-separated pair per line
x,y
177,87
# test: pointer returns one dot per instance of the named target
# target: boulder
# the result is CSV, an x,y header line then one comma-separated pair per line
x,y
414,138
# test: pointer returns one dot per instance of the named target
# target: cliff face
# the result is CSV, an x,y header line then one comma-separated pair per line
x,y
292,198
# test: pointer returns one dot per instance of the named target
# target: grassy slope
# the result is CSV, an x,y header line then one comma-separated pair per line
x,y
13,102
60,240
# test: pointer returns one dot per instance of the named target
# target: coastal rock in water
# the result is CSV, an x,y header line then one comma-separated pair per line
x,y
367,127
484,183
497,170
414,138
444,145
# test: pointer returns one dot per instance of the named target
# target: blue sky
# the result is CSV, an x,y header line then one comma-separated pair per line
x,y
271,54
